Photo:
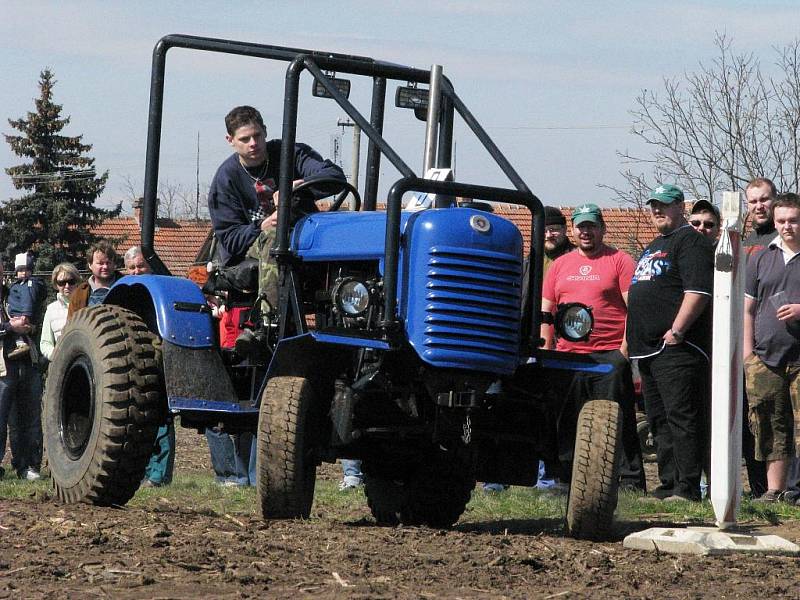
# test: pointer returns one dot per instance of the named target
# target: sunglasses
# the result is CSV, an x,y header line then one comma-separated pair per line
x,y
706,224
63,282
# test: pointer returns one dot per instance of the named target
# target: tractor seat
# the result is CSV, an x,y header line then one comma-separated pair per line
x,y
240,279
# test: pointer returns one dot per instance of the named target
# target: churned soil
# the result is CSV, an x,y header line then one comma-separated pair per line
x,y
49,550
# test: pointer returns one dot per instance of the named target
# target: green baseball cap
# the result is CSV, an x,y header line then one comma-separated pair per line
x,y
587,212
666,193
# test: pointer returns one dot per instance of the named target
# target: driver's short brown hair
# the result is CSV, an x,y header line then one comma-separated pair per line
x,y
241,116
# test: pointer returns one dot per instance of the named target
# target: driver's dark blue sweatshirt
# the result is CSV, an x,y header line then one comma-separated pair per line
x,y
232,200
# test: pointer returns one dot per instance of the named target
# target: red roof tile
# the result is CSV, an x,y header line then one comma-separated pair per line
x,y
628,229
177,242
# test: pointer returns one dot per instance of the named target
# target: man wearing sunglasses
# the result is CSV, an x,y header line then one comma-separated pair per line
x,y
705,219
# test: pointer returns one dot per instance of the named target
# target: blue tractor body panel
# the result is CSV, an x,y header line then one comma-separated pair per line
x,y
343,236
179,307
462,277
459,284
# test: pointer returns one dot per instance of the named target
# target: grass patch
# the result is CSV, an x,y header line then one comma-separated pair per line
x,y
199,492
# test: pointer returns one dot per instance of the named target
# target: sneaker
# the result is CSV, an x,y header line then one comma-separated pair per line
x,y
350,483
149,483
558,489
21,350
31,475
228,483
771,496
792,496
545,484
494,487
251,344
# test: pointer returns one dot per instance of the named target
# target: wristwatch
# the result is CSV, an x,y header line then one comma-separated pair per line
x,y
678,335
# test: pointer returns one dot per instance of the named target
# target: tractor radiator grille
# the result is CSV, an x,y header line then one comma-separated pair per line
x,y
472,302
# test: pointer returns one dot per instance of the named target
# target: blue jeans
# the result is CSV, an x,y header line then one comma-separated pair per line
x,y
162,461
351,471
21,409
232,456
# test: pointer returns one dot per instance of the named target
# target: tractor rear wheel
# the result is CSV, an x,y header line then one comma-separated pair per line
x,y
103,404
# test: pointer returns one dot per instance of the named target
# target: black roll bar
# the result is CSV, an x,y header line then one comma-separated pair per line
x,y
315,62
373,153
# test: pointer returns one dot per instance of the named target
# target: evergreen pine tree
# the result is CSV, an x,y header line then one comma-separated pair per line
x,y
55,216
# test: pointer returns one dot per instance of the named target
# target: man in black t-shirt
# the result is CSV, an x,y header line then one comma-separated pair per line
x,y
669,331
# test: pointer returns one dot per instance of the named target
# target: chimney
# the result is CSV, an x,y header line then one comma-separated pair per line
x,y
137,210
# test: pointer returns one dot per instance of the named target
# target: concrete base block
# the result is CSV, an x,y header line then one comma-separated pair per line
x,y
707,541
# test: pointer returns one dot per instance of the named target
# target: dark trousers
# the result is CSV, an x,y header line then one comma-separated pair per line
x,y
21,389
675,389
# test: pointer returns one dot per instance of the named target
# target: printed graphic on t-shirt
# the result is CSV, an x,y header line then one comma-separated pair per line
x,y
651,265
265,207
584,274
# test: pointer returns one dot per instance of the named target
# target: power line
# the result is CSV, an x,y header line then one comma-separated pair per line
x,y
558,127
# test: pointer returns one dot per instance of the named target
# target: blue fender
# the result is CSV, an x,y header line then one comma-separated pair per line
x,y
173,306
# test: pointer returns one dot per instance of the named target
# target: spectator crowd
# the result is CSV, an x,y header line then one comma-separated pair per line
x,y
656,312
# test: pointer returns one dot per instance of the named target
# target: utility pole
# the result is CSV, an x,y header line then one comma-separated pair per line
x,y
356,154
197,182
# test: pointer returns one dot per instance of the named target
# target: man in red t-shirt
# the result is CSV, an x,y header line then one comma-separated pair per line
x,y
599,276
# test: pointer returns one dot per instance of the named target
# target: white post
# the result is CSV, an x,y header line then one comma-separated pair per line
x,y
727,376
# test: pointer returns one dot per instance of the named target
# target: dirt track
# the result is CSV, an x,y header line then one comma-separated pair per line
x,y
55,551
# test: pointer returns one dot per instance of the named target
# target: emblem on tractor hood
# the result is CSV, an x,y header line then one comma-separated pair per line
x,y
480,223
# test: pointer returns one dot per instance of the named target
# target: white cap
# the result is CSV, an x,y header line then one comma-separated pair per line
x,y
23,261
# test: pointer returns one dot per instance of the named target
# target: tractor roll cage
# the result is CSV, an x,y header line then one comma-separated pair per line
x,y
315,62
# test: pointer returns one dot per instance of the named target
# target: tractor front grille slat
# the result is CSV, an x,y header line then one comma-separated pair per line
x,y
472,301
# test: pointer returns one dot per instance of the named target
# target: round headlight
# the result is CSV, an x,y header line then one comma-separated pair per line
x,y
352,297
574,321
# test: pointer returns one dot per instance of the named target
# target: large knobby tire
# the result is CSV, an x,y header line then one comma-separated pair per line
x,y
595,471
286,464
103,405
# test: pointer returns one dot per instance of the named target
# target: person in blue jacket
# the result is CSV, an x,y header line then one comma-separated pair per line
x,y
243,199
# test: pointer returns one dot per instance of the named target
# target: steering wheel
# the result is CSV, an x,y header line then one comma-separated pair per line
x,y
335,185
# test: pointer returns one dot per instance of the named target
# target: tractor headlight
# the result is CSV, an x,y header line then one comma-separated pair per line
x,y
351,297
574,321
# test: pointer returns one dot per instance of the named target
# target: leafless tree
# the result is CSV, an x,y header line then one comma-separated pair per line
x,y
195,205
174,200
719,127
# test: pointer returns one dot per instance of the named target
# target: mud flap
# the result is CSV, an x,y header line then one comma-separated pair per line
x,y
195,378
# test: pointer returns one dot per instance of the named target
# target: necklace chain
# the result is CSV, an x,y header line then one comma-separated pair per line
x,y
263,171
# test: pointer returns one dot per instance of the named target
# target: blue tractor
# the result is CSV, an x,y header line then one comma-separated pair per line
x,y
401,338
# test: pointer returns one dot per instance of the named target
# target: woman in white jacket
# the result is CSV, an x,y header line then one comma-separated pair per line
x,y
65,279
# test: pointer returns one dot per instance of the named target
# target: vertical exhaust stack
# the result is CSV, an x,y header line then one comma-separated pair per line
x,y
432,129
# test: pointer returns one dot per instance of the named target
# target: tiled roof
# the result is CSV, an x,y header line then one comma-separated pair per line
x,y
628,229
177,242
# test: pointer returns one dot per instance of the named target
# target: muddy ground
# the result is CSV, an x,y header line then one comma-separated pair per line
x,y
48,550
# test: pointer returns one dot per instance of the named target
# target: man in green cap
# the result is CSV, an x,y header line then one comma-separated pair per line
x,y
599,276
669,331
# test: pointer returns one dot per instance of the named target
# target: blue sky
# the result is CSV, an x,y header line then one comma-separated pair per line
x,y
552,82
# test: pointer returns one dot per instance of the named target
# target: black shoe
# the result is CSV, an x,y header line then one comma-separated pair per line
x,y
252,344
662,492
